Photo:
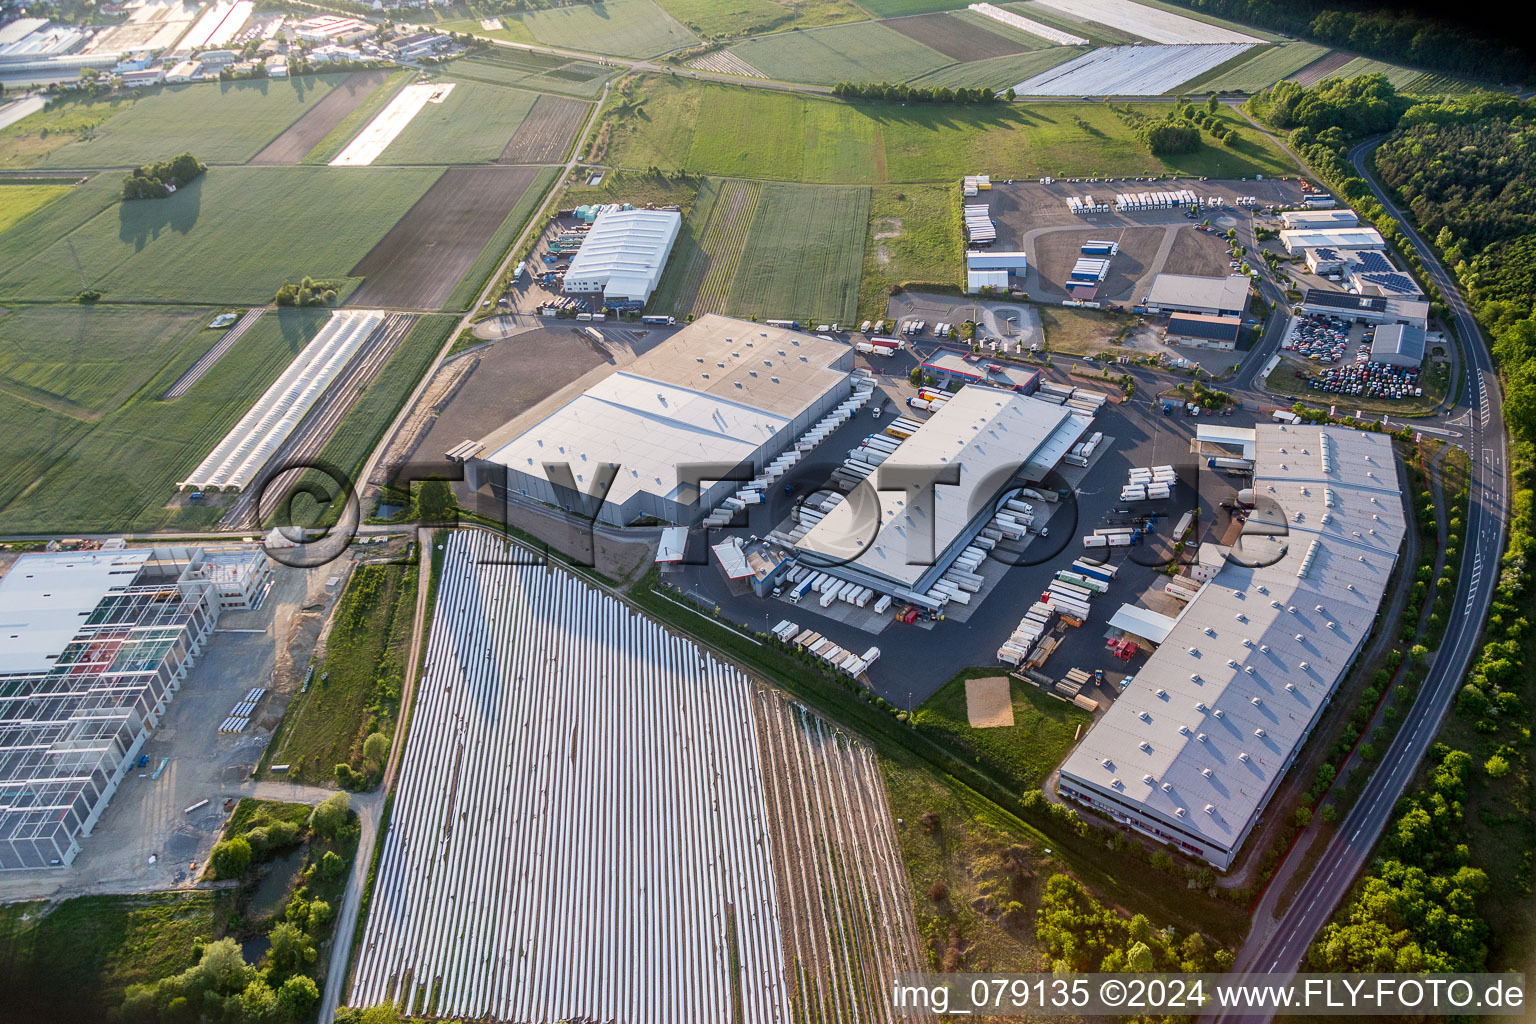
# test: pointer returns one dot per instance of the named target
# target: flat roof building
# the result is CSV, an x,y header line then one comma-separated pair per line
x,y
1201,330
1379,309
1339,218
1191,753
719,392
1298,239
1398,345
624,254
94,646
1186,293
995,437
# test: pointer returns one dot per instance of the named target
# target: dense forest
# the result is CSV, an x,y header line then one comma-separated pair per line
x,y
1392,35
1456,864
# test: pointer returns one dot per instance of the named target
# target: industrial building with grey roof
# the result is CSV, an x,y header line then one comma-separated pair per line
x,y
719,392
1192,752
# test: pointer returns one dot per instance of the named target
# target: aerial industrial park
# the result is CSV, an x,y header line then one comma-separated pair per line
x,y
649,511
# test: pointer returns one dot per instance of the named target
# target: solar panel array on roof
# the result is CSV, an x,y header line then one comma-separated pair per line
x,y
1373,261
1345,300
1397,284
1325,253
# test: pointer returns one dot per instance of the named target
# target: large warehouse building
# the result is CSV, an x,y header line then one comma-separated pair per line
x,y
624,254
95,645
1297,239
1377,309
996,437
1187,293
719,392
1193,751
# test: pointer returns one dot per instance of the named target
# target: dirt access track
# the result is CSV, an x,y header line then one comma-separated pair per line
x,y
320,120
418,263
546,132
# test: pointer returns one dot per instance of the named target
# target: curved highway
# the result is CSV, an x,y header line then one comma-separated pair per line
x,y
1279,947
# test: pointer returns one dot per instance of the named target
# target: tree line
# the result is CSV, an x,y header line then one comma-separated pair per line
x,y
902,93
1394,35
158,180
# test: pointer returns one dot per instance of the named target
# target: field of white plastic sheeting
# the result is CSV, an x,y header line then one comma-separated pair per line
x,y
593,819
1129,70
1029,25
1147,22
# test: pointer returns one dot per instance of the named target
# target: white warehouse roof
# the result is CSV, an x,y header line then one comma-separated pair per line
x,y
715,392
624,253
1333,238
1342,217
1198,743
990,433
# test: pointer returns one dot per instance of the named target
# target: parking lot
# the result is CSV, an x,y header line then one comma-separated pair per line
x,y
1035,218
917,659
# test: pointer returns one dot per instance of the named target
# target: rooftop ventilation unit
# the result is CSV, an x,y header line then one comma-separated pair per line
x,y
1183,730
1260,733
1210,809
1149,780
1144,717
1107,763
1145,746
1200,707
1291,687
1256,701
1264,648
1207,773
1231,663
1167,787
1243,757
1161,692
1180,811
1219,713
1200,736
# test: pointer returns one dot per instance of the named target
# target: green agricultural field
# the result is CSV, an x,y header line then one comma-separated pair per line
x,y
471,126
866,51
218,122
84,463
17,202
516,34
1266,69
356,687
528,70
624,28
61,122
1024,753
727,18
986,24
736,131
73,961
1398,75
999,73
86,361
902,8
914,239
799,257
233,235
1429,84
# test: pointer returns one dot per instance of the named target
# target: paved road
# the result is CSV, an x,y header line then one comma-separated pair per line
x,y
1279,949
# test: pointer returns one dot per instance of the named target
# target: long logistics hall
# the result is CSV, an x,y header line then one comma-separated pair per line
x,y
1191,753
